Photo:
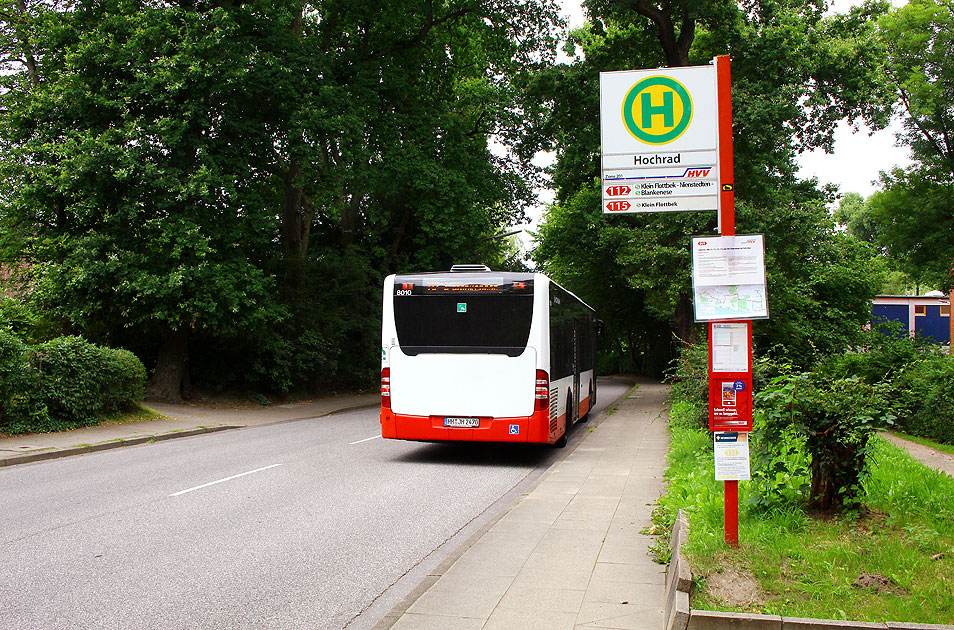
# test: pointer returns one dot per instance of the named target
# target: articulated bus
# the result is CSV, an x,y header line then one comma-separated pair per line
x,y
477,355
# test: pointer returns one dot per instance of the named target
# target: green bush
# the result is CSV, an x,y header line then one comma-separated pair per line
x,y
64,383
836,419
925,393
71,379
125,378
885,351
18,405
690,381
80,381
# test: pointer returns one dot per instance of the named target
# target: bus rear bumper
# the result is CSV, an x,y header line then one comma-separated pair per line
x,y
535,428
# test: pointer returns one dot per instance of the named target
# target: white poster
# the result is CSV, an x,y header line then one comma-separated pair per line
x,y
731,456
730,347
728,277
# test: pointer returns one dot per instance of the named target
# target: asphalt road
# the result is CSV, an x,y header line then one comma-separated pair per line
x,y
307,524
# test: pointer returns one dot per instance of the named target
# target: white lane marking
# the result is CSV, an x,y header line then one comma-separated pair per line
x,y
365,440
212,483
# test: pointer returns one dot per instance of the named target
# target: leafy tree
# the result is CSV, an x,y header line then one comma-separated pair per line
x,y
582,249
914,212
820,282
915,221
795,73
241,175
853,213
132,181
918,38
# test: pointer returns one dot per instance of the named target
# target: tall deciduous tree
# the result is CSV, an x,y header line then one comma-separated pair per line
x,y
132,180
795,74
186,171
915,212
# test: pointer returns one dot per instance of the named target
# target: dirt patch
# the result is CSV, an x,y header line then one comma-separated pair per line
x,y
878,583
736,588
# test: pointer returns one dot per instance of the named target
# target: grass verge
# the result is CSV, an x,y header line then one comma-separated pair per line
x,y
140,413
895,562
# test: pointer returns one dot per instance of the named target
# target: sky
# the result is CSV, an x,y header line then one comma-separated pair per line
x,y
854,166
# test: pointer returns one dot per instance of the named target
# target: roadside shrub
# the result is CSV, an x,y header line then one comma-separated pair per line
x,y
79,381
20,408
835,418
14,378
925,393
886,349
125,378
71,380
64,383
14,367
689,376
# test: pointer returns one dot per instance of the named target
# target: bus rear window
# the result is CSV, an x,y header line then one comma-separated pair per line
x,y
491,324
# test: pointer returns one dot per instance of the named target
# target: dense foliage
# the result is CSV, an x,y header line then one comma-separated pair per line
x,y
912,217
64,383
812,428
795,73
222,186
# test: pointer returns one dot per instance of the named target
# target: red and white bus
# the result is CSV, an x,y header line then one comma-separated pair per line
x,y
477,355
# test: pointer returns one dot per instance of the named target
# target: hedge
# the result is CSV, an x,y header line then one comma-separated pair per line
x,y
64,383
925,392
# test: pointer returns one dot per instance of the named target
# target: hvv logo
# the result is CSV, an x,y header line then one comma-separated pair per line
x,y
697,172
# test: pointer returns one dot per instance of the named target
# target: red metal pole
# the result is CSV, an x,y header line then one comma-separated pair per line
x,y
727,228
726,165
732,513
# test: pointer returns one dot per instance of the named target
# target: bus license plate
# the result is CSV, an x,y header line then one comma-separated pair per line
x,y
462,422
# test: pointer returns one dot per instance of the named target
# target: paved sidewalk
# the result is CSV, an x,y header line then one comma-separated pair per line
x,y
568,554
179,421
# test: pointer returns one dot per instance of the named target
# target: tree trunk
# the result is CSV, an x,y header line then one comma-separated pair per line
x,y
166,384
836,474
675,48
28,57
295,226
685,331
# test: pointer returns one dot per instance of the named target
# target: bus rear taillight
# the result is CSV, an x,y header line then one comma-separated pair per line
x,y
541,393
386,388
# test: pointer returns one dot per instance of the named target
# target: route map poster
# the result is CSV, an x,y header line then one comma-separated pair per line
x,y
728,277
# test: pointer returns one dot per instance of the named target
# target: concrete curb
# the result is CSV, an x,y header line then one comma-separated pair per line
x,y
680,616
105,446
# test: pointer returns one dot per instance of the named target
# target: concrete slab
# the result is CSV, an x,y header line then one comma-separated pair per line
x,y
621,616
542,599
413,621
477,604
603,591
507,619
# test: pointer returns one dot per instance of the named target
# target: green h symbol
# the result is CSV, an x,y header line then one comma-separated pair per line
x,y
666,110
